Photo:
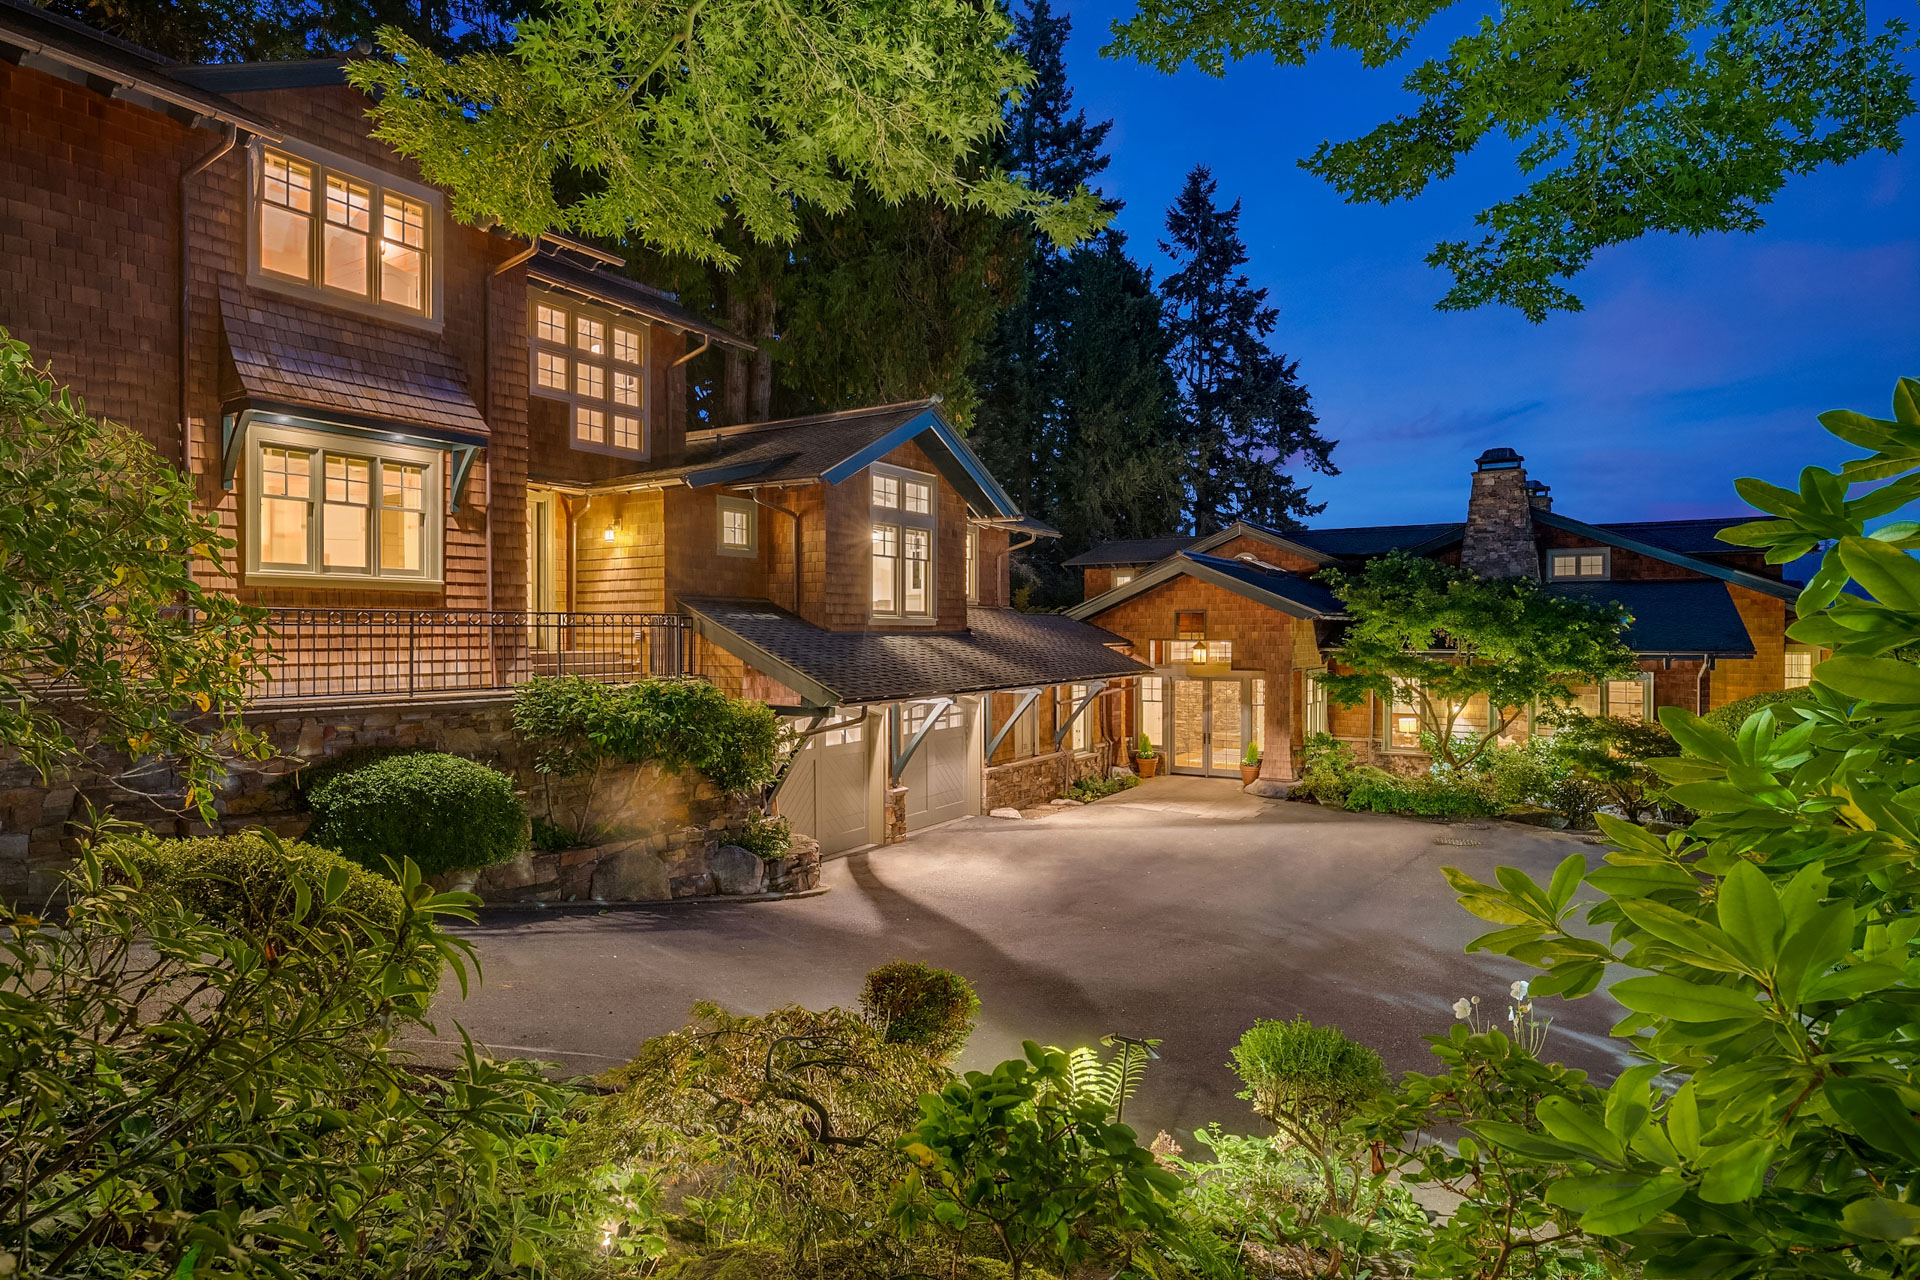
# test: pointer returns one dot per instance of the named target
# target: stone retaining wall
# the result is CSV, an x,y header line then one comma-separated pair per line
x,y
1030,783
656,831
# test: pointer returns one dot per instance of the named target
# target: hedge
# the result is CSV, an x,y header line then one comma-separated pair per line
x,y
1734,714
247,881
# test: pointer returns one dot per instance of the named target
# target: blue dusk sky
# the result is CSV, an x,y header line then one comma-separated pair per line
x,y
1696,360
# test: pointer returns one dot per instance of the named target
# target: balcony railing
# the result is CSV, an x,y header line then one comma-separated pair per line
x,y
335,654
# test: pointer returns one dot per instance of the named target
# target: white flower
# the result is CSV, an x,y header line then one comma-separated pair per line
x,y
1518,990
1462,1008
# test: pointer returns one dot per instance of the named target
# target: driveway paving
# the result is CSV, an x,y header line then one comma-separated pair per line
x,y
1182,909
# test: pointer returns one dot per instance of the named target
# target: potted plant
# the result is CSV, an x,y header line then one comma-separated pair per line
x,y
1145,758
1250,763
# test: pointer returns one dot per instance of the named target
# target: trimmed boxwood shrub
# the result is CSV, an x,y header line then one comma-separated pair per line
x,y
247,881
920,1005
577,725
1734,714
446,813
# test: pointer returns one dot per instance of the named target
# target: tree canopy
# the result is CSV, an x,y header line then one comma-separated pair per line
x,y
1626,117
666,119
1440,637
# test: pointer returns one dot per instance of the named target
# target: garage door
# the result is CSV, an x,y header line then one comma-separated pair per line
x,y
936,777
825,793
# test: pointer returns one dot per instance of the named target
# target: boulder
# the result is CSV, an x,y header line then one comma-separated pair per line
x,y
736,871
1004,813
630,873
1267,788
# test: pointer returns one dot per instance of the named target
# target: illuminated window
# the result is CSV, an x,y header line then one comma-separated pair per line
x,y
1153,709
345,234
738,534
1799,670
973,565
902,539
1065,700
1121,577
1630,699
598,365
1582,562
318,509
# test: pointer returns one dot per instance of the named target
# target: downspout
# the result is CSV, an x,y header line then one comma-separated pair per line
x,y
1006,557
186,290
486,394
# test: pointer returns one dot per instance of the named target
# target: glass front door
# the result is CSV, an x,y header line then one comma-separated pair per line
x,y
1209,724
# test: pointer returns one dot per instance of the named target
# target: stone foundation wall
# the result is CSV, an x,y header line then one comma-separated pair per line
x,y
1029,783
675,822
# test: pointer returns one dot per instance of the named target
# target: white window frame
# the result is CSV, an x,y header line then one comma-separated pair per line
x,y
739,506
899,518
1066,698
320,443
1807,651
1604,700
325,163
1121,577
1606,564
973,564
573,357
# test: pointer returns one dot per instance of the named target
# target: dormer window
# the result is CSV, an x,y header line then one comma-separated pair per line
x,y
343,234
1575,563
901,541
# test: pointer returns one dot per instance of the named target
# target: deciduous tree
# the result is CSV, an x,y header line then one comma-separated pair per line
x,y
1439,637
1627,117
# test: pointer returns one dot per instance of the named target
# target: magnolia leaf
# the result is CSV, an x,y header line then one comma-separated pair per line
x,y
1683,1121
1617,1204
1736,1171
1876,1112
1750,913
1873,679
1581,1128
1891,576
1667,996
1878,1218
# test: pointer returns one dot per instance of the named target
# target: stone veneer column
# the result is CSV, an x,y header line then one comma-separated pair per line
x,y
1499,537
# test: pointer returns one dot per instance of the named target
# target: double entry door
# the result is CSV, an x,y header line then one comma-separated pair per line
x,y
1209,725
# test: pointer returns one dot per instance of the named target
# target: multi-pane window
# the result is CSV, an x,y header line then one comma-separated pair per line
x,y
1153,709
973,565
347,236
1258,695
329,506
738,532
1121,577
596,361
1581,562
901,541
1799,667
1065,699
1630,699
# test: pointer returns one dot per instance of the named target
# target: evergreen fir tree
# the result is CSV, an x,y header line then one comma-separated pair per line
x,y
1245,415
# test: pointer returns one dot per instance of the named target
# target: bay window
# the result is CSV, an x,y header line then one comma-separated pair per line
x,y
329,507
595,360
331,229
901,539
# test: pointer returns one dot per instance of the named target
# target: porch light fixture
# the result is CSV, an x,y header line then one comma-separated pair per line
x,y
1200,653
612,530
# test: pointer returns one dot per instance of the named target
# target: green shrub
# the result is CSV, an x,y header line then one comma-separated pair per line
x,y
919,1005
1526,774
1729,718
577,726
1089,789
1146,750
1251,756
445,813
1308,1082
248,881
1426,795
1608,756
1326,771
769,839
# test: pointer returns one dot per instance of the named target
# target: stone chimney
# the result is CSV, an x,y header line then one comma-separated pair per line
x,y
1499,536
1539,497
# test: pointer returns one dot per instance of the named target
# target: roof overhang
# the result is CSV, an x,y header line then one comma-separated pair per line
x,y
815,696
1179,565
625,295
942,444
1279,542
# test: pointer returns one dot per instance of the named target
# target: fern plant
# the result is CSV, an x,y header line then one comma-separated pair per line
x,y
1107,1079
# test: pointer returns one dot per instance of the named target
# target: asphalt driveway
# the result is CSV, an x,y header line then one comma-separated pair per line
x,y
1182,909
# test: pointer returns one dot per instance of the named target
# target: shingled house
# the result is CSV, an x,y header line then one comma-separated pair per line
x,y
456,458
1235,623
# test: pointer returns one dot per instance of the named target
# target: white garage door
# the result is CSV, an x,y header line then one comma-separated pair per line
x,y
936,776
825,793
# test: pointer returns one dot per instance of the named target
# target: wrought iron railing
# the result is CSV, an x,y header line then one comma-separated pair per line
x,y
333,654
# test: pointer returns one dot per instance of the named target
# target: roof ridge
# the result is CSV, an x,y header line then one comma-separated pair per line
x,y
781,424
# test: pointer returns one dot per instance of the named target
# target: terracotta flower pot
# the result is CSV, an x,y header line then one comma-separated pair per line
x,y
1249,773
1147,765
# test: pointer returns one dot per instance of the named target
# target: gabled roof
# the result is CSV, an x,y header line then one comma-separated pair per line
x,y
1377,540
829,447
1130,551
1281,589
553,267
1689,537
1671,617
1611,536
61,46
1325,546
1000,649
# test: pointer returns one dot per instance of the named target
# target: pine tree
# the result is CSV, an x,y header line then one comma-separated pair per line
x,y
1245,415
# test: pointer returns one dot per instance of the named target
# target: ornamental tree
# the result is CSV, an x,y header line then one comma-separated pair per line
x,y
661,119
1440,637
108,641
1770,1127
1624,117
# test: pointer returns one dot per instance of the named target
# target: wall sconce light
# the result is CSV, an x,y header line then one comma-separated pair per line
x,y
1200,653
612,530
